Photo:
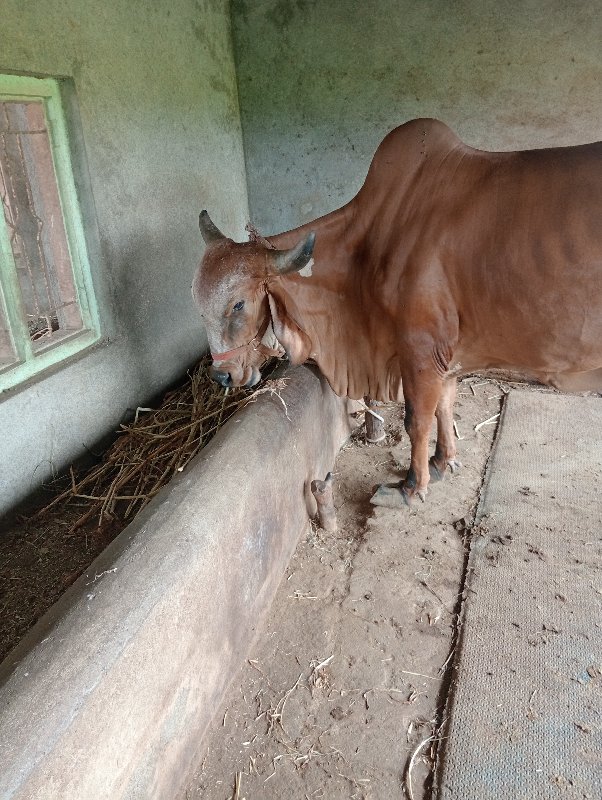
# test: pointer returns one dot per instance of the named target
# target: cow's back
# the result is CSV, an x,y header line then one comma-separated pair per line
x,y
528,276
516,236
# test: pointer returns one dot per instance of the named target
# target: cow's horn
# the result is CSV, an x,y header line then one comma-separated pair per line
x,y
209,231
298,257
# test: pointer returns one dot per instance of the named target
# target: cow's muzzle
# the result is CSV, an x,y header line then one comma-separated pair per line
x,y
249,378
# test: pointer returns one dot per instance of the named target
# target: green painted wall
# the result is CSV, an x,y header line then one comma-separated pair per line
x,y
321,82
156,136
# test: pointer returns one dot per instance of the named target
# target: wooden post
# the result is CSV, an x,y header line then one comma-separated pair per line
x,y
375,424
322,491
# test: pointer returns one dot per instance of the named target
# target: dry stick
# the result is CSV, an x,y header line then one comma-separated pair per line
x,y
117,497
275,716
83,519
137,427
489,421
214,413
322,491
192,433
237,784
154,456
67,493
166,471
190,456
408,775
420,675
108,504
176,458
75,491
219,419
73,487
135,497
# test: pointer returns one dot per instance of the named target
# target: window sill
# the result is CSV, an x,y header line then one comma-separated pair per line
x,y
17,378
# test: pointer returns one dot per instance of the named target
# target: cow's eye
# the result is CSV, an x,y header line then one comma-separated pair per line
x,y
238,306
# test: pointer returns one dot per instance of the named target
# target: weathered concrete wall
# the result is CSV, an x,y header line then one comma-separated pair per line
x,y
322,82
109,695
157,139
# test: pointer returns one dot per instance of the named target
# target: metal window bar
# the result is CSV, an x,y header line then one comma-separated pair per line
x,y
47,308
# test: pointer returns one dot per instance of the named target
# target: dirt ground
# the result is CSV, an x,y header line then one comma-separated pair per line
x,y
348,678
38,562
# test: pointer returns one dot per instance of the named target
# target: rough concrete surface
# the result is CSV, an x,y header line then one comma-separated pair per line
x,y
110,693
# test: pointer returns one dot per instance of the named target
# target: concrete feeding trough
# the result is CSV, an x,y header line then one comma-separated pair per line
x,y
109,695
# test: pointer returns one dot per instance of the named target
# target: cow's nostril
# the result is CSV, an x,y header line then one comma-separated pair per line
x,y
223,378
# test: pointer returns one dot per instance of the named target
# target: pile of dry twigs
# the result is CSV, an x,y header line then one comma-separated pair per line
x,y
151,450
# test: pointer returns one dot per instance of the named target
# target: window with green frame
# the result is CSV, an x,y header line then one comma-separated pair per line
x,y
47,307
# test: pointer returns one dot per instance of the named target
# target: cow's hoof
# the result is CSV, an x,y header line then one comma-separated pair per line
x,y
390,495
435,471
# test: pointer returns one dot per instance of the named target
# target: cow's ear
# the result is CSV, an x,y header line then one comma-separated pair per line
x,y
295,341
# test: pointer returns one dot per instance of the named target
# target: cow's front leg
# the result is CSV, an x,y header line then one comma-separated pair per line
x,y
445,450
422,393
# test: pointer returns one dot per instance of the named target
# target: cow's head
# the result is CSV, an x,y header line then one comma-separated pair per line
x,y
232,289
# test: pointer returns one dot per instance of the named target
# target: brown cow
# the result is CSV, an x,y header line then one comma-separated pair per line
x,y
448,261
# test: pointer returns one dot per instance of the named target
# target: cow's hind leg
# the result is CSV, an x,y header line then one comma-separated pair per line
x,y
445,449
